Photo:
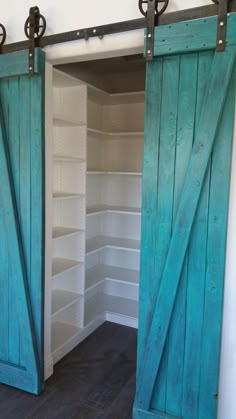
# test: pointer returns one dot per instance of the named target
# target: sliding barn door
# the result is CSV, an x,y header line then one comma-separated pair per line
x,y
21,221
189,120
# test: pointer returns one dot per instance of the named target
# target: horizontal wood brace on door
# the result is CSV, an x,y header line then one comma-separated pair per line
x,y
119,27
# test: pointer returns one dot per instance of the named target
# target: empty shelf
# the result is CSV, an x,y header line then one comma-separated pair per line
x,y
69,159
58,232
61,120
100,303
62,299
98,273
66,195
116,134
119,173
62,333
121,210
60,265
99,242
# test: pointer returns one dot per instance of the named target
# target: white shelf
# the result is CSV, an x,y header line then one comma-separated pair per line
x,y
68,159
100,303
62,333
62,299
99,209
59,232
100,242
100,172
60,265
116,134
62,121
99,273
66,195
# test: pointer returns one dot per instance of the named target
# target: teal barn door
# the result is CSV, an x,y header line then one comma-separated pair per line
x,y
21,221
189,123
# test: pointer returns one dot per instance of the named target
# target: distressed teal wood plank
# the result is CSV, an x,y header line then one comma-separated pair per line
x,y
17,63
14,150
19,276
196,269
185,135
37,159
191,36
170,92
4,257
24,123
216,249
149,201
211,111
153,414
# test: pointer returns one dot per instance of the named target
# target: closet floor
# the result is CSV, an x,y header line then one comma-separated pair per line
x,y
95,381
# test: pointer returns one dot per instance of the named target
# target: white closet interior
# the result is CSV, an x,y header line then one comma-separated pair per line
x,y
94,149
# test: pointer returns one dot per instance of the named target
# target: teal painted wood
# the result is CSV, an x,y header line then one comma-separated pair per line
x,y
149,202
196,269
22,215
215,254
153,414
184,142
15,355
167,153
211,111
4,262
192,36
17,63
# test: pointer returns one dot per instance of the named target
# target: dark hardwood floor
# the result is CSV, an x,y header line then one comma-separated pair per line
x,y
95,381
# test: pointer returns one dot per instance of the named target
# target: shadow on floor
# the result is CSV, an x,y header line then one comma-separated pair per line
x,y
95,381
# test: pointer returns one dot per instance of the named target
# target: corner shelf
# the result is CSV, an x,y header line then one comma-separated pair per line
x,y
69,159
99,209
62,333
99,273
100,242
62,299
116,134
101,303
100,172
60,265
67,195
62,121
59,232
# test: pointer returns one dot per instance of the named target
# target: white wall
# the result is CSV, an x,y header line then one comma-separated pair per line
x,y
76,14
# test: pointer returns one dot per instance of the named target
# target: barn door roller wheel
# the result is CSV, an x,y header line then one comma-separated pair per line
x,y
3,34
160,6
35,27
40,25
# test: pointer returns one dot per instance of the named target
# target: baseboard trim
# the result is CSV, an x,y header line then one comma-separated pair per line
x,y
48,367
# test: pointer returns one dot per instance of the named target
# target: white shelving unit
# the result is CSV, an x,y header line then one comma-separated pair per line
x,y
93,211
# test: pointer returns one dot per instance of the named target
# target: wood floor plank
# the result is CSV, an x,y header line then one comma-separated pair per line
x,y
95,381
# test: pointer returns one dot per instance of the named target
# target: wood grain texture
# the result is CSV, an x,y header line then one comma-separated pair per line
x,y
215,255
16,63
149,200
165,191
21,163
184,143
191,36
179,318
